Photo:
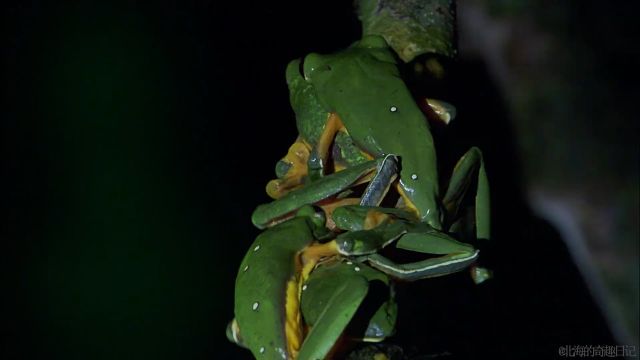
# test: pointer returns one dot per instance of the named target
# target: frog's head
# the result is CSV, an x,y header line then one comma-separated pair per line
x,y
318,69
316,80
303,73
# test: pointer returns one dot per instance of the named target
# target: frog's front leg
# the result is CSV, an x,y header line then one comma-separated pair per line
x,y
470,167
268,214
386,173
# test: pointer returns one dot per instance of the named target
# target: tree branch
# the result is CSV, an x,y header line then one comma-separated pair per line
x,y
411,27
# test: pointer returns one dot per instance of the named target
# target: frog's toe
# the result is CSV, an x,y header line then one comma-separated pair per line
x,y
233,333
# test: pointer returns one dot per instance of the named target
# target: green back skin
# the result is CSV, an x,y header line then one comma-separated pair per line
x,y
262,279
362,85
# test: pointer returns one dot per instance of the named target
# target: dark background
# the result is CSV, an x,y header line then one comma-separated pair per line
x,y
136,141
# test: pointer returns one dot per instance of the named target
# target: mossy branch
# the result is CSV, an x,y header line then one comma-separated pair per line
x,y
411,27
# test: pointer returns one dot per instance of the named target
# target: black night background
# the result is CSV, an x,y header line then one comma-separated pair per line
x,y
137,139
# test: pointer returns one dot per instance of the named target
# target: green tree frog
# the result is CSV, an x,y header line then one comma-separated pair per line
x,y
362,138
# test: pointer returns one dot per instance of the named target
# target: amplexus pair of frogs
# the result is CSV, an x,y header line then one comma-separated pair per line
x,y
361,178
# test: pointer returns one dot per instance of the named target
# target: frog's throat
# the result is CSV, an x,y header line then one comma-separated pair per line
x,y
306,260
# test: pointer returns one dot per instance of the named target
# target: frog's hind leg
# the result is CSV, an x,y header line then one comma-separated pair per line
x,y
456,256
318,159
469,168
370,229
334,318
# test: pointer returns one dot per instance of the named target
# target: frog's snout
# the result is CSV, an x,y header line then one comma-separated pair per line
x,y
293,72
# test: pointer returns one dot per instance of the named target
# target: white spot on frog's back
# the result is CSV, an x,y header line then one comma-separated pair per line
x,y
256,248
393,109
262,350
282,353
414,177
255,306
408,190
245,268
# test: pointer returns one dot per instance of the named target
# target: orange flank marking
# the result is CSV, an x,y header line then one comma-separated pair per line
x,y
305,262
334,124
313,254
374,218
293,317
408,203
293,320
338,166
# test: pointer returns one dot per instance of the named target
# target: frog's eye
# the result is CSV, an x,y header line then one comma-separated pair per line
x,y
313,64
